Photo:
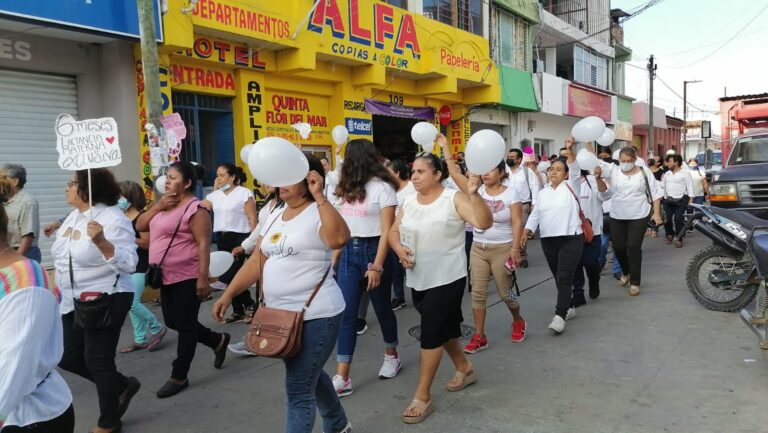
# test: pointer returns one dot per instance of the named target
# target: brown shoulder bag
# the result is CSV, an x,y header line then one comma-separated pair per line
x,y
274,332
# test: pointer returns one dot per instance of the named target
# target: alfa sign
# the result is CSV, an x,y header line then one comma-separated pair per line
x,y
103,16
358,126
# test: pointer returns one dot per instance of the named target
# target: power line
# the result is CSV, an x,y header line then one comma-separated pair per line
x,y
726,42
674,92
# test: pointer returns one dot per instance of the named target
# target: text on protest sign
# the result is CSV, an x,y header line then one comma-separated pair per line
x,y
84,144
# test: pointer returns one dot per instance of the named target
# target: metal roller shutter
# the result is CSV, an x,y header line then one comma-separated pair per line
x,y
29,104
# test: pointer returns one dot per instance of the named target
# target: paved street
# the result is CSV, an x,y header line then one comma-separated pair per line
x,y
656,363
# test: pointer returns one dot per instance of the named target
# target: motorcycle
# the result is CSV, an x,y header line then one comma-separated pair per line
x,y
727,275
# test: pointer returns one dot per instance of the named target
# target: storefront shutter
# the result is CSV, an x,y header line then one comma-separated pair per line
x,y
29,104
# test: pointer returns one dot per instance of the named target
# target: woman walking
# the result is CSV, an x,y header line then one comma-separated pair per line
x,y
493,250
402,174
367,201
556,215
432,221
588,189
132,202
699,181
296,255
180,238
95,255
35,398
635,197
234,218
677,184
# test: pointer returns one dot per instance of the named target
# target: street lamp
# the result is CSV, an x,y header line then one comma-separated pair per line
x,y
685,114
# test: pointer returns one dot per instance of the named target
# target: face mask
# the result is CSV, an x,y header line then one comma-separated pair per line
x,y
607,159
693,167
627,166
123,203
225,187
510,162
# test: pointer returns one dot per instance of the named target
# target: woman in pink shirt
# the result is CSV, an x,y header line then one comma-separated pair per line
x,y
184,268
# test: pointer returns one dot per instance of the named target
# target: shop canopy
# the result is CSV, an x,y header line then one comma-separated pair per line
x,y
394,110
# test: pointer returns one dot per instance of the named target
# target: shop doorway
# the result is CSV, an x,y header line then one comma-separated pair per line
x,y
210,135
392,137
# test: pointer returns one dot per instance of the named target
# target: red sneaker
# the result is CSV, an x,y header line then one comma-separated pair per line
x,y
518,331
476,344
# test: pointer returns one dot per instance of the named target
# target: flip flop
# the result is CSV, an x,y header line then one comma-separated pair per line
x,y
133,348
462,380
425,408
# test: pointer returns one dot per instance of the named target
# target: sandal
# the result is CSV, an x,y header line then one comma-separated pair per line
x,y
134,347
235,317
624,280
462,380
425,410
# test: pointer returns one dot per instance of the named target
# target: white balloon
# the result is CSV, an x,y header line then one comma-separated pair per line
x,y
340,134
485,150
160,184
245,151
588,129
277,162
429,147
616,154
424,133
607,138
221,261
586,160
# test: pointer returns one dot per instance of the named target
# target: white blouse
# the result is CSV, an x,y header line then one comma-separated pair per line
x,y
229,210
629,200
31,345
677,184
92,272
555,212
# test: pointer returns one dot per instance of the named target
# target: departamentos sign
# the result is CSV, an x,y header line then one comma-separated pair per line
x,y
114,17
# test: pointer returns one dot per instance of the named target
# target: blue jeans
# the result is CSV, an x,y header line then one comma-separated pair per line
x,y
398,276
352,268
33,253
605,239
308,388
141,317
699,199
590,264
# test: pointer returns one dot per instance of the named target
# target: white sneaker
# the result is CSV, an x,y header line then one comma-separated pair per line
x,y
343,387
570,314
558,325
218,285
239,348
347,429
391,366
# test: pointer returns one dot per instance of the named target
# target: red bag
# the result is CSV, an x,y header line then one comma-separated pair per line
x,y
586,224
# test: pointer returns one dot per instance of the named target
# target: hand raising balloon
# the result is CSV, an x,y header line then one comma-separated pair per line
x,y
315,183
473,183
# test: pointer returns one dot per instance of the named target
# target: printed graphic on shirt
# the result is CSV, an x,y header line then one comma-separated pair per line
x,y
495,206
356,209
279,246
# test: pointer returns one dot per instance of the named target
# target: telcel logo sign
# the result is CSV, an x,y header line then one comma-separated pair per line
x,y
358,126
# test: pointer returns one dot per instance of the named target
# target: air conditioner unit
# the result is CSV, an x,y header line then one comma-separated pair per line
x,y
531,125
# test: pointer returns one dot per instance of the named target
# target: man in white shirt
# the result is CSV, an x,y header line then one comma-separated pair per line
x,y
331,175
525,182
678,190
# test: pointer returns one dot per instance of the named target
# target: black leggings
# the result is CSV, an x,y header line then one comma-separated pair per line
x,y
64,423
180,310
228,241
627,237
90,354
563,254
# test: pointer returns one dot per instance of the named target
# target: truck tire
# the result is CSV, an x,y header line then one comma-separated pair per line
x,y
706,294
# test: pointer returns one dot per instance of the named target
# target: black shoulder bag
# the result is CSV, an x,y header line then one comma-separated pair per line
x,y
154,277
94,314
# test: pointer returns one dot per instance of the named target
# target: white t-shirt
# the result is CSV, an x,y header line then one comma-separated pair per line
x,y
229,210
677,184
501,230
525,181
629,200
698,183
364,218
297,260
403,193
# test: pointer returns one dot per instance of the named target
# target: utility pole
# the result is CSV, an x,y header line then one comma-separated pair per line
x,y
149,62
651,77
685,114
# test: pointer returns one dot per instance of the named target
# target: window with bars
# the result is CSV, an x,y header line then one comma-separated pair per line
x,y
512,41
402,4
463,14
589,67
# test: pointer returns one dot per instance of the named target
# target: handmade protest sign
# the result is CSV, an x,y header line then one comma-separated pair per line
x,y
86,144
175,131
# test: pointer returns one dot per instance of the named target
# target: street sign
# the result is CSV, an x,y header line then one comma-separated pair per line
x,y
445,114
706,129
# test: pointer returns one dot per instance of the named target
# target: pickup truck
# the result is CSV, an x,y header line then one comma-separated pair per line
x,y
743,182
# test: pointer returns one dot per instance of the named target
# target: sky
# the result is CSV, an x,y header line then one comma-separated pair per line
x,y
686,38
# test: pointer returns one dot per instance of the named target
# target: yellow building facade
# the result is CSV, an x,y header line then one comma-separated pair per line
x,y
374,68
